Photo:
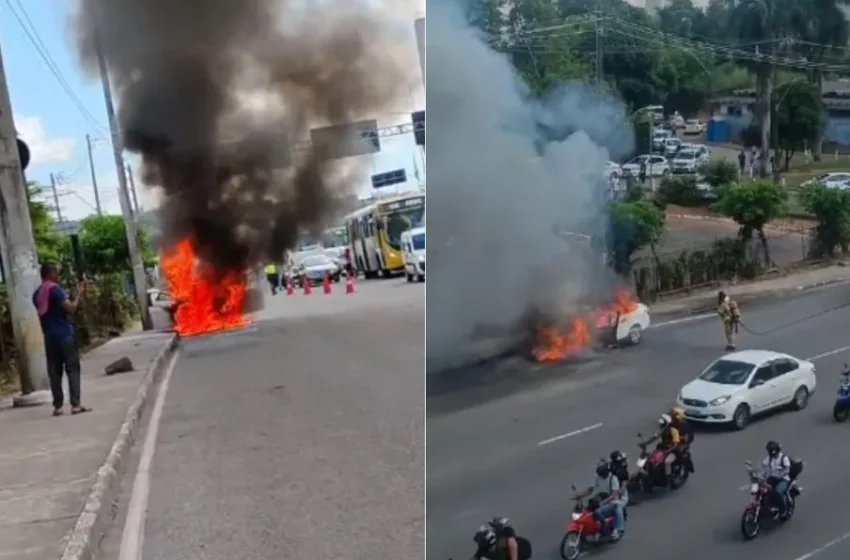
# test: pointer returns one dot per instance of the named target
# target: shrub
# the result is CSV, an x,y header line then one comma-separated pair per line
x,y
682,191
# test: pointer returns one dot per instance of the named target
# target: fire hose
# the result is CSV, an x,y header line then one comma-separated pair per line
x,y
740,323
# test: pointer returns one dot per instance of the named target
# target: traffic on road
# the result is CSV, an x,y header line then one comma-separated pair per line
x,y
528,451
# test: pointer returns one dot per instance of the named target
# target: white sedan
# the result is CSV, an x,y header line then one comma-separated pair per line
x,y
837,180
693,126
657,166
743,384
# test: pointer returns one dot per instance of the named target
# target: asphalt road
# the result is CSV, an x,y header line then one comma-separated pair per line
x,y
498,456
301,437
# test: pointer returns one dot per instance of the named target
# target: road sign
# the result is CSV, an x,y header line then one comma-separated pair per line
x,y
67,228
418,119
388,179
346,140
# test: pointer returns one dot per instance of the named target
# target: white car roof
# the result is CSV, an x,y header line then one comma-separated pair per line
x,y
755,357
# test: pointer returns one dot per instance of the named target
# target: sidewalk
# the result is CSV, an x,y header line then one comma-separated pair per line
x,y
48,465
704,301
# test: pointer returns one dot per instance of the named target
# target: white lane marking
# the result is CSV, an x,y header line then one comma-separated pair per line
x,y
569,434
830,353
134,525
680,321
830,544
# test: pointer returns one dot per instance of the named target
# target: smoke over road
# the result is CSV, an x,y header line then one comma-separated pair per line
x,y
506,171
212,93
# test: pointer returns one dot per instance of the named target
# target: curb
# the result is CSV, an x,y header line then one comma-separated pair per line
x,y
707,305
98,511
782,228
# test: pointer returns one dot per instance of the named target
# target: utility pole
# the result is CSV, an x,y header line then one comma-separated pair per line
x,y
133,190
20,262
56,198
599,32
130,226
93,176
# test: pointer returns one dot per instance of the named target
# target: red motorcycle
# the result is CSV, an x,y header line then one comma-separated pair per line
x,y
762,508
651,470
584,529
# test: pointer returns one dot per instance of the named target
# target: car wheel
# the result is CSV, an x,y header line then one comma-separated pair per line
x,y
635,334
801,398
420,278
409,277
741,417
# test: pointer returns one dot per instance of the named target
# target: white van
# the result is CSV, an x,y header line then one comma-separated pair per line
x,y
413,251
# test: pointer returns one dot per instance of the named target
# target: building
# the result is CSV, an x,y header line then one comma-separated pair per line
x,y
737,108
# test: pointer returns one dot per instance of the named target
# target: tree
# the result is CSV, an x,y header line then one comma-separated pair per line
x,y
719,173
634,226
753,205
764,23
831,208
48,244
103,241
799,111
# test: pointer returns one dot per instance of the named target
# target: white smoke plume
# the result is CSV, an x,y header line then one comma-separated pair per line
x,y
507,172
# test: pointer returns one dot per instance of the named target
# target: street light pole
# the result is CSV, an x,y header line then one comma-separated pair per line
x,y
133,243
20,262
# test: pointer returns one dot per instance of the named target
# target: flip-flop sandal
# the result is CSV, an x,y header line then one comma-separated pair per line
x,y
58,412
80,410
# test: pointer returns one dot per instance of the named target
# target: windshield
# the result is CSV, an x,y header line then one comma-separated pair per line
x,y
335,252
418,241
399,222
639,159
728,372
686,155
315,260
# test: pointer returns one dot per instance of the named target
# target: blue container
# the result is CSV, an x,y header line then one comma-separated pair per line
x,y
717,131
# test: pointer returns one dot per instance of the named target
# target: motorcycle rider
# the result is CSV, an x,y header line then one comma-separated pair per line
x,y
506,537
669,439
486,540
606,488
776,469
620,466
680,424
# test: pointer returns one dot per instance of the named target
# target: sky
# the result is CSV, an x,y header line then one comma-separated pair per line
x,y
55,106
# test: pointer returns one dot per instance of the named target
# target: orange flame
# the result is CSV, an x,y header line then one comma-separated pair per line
x,y
204,305
556,344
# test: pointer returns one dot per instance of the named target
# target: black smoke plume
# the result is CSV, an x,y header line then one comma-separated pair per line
x,y
217,95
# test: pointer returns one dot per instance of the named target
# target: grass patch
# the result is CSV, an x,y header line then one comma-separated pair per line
x,y
828,163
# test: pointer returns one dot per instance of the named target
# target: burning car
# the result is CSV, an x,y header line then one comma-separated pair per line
x,y
614,323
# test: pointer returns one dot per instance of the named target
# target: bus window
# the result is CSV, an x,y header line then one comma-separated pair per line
x,y
352,231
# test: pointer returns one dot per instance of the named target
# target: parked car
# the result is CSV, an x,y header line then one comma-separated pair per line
x,y
658,139
671,146
688,161
836,180
694,126
656,165
314,268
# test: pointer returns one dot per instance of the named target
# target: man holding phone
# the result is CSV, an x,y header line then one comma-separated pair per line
x,y
60,342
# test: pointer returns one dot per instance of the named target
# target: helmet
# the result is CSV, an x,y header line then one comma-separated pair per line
x,y
664,420
485,537
773,448
677,413
603,469
618,456
500,523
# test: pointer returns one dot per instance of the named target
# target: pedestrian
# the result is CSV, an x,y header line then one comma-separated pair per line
x,y
730,316
273,277
60,342
742,161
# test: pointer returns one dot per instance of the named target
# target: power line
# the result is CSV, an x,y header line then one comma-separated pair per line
x,y
44,53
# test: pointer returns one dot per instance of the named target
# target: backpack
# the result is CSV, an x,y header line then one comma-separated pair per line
x,y
523,548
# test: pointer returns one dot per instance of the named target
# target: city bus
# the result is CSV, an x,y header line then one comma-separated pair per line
x,y
374,232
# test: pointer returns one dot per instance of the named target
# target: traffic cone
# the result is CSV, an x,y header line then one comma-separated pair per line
x,y
308,287
290,289
326,285
349,283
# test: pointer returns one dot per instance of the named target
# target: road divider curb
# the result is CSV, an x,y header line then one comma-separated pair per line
x,y
98,512
785,228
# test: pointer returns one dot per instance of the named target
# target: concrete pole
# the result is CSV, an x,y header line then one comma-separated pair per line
x,y
20,262
133,243
56,198
93,177
133,190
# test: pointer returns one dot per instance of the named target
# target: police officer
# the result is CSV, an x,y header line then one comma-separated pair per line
x,y
730,316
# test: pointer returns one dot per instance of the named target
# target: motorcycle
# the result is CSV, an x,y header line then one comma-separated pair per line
x,y
761,508
651,470
841,410
584,529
